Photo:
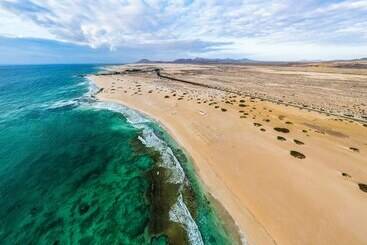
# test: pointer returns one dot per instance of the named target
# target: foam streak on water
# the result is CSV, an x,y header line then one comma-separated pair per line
x,y
179,212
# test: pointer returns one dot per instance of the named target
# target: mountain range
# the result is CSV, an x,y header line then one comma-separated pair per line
x,y
199,60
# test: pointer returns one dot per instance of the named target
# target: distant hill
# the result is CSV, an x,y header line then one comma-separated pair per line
x,y
212,61
201,61
354,63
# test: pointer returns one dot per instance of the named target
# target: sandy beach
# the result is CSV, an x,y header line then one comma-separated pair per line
x,y
282,149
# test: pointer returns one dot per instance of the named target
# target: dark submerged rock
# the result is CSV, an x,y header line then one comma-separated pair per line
x,y
83,208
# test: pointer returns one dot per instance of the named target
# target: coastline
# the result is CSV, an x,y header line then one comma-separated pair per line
x,y
244,196
92,172
238,235
220,216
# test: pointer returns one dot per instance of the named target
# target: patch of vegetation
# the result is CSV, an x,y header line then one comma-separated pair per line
x,y
281,138
298,142
354,149
282,130
362,187
297,154
346,175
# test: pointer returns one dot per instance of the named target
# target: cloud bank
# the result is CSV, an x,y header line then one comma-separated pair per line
x,y
275,29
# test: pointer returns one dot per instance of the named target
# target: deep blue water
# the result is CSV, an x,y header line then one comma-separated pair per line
x,y
78,171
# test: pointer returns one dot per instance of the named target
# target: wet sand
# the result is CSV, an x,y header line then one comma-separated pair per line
x,y
285,175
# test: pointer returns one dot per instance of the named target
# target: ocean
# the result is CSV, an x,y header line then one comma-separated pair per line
x,y
75,170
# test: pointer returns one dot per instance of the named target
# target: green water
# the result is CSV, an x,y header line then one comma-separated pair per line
x,y
211,226
76,171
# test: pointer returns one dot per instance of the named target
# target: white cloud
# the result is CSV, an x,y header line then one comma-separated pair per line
x,y
13,26
314,26
345,5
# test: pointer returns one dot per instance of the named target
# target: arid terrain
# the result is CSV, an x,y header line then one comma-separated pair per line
x,y
329,89
282,148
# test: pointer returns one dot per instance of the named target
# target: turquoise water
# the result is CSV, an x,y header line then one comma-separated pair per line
x,y
78,171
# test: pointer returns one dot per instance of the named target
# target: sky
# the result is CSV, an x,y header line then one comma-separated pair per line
x,y
120,31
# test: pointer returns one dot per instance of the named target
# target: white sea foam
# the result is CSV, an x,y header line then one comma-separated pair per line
x,y
92,88
168,158
150,139
109,67
243,239
180,214
63,103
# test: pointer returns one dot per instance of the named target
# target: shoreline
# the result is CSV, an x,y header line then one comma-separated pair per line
x,y
221,214
240,186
